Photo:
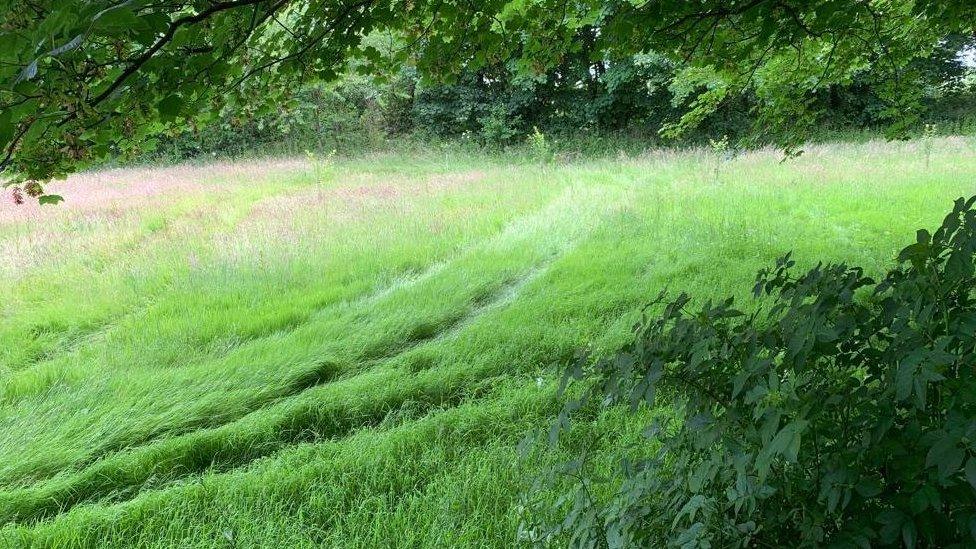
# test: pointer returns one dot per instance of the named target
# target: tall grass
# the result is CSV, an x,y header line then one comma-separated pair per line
x,y
275,353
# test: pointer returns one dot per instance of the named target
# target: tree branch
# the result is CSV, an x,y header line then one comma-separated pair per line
x,y
138,62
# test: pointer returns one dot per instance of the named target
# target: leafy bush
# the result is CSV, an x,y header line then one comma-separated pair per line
x,y
842,412
497,127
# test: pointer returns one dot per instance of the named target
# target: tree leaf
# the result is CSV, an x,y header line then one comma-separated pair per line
x,y
946,455
909,535
119,20
28,72
170,106
68,46
971,472
50,199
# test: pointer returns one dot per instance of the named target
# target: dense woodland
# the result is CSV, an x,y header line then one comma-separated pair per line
x,y
585,106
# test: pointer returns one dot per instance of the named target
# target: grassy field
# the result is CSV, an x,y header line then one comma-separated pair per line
x,y
307,353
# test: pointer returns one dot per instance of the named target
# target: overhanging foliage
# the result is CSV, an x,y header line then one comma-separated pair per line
x,y
82,79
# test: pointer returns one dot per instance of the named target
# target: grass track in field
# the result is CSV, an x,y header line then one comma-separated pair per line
x,y
348,355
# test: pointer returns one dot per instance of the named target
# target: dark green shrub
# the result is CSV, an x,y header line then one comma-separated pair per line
x,y
497,127
842,412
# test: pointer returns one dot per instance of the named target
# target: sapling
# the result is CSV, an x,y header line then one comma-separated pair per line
x,y
722,153
320,167
540,146
928,136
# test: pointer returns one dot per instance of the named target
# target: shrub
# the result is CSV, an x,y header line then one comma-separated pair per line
x,y
842,412
497,127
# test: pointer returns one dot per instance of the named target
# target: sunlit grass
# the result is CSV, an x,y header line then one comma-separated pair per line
x,y
295,353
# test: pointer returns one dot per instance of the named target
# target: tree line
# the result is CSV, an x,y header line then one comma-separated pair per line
x,y
638,98
81,80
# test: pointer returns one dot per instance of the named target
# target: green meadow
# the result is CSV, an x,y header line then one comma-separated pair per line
x,y
347,352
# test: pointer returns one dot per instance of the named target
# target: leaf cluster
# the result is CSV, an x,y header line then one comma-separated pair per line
x,y
841,412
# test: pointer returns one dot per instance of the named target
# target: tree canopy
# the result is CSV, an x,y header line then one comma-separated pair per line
x,y
82,79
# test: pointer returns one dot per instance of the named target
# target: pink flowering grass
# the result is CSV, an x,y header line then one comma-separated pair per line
x,y
136,187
